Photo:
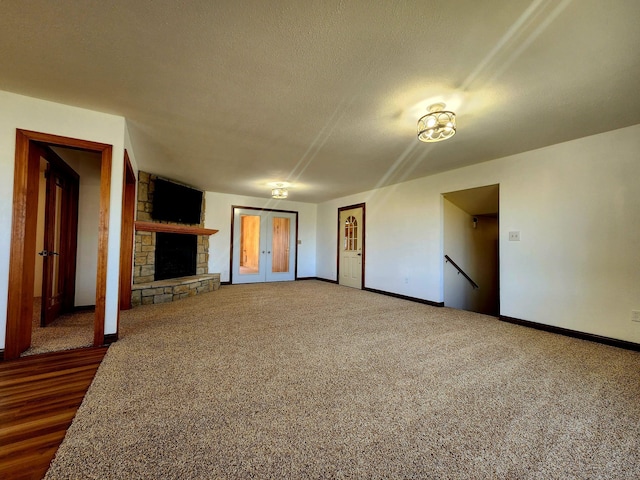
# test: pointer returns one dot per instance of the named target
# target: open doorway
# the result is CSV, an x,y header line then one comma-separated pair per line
x,y
22,266
64,295
471,249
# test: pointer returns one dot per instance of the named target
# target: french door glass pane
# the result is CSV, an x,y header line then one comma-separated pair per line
x,y
280,245
249,244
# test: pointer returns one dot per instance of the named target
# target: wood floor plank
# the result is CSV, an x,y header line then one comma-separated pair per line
x,y
53,376
35,406
52,385
39,396
51,361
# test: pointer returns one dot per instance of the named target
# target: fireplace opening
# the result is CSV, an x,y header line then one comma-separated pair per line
x,y
176,255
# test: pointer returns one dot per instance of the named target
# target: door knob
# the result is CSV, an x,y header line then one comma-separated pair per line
x,y
43,253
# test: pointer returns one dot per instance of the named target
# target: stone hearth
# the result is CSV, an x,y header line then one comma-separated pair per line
x,y
172,289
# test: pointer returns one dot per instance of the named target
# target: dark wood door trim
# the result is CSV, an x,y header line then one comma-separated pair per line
x,y
364,223
23,238
126,233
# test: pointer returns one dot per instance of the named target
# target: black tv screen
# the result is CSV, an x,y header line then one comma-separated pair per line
x,y
176,203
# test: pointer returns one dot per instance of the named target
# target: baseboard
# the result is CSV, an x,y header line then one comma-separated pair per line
x,y
2,355
382,292
573,333
110,338
324,280
84,308
297,278
405,297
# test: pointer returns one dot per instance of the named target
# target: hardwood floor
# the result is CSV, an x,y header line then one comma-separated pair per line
x,y
39,396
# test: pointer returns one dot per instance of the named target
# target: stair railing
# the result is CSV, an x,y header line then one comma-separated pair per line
x,y
460,271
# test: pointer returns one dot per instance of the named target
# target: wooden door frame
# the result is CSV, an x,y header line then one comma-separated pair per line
x,y
364,222
126,235
23,237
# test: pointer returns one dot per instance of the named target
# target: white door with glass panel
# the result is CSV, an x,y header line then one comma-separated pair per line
x,y
264,246
351,241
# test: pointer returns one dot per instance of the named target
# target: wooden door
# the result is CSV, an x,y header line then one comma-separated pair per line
x,y
351,247
60,239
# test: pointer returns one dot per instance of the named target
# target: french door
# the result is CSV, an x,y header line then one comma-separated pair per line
x,y
264,245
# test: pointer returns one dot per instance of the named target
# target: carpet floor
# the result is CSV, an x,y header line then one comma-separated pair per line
x,y
312,380
68,331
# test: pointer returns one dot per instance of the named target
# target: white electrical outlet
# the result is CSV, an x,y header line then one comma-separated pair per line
x,y
514,236
635,315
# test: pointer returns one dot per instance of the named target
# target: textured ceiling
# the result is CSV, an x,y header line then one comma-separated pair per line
x,y
232,95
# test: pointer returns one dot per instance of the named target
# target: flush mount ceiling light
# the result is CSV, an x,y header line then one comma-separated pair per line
x,y
437,125
279,191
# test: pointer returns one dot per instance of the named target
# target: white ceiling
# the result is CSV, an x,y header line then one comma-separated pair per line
x,y
325,94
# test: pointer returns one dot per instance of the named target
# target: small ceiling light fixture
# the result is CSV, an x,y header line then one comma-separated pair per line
x,y
437,125
279,191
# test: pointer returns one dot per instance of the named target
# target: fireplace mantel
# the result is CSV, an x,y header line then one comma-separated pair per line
x,y
165,227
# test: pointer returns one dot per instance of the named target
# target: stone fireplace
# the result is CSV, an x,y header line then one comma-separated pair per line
x,y
171,259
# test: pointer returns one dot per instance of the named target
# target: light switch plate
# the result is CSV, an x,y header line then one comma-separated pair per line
x,y
635,315
514,236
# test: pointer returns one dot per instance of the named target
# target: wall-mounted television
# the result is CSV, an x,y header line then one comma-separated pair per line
x,y
176,203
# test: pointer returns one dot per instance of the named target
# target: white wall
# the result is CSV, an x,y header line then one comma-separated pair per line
x,y
27,113
218,213
576,206
88,216
128,145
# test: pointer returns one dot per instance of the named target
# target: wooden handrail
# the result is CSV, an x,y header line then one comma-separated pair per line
x,y
460,271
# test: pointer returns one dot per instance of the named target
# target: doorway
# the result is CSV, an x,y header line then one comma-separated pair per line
x,y
58,232
264,245
351,236
471,249
24,235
